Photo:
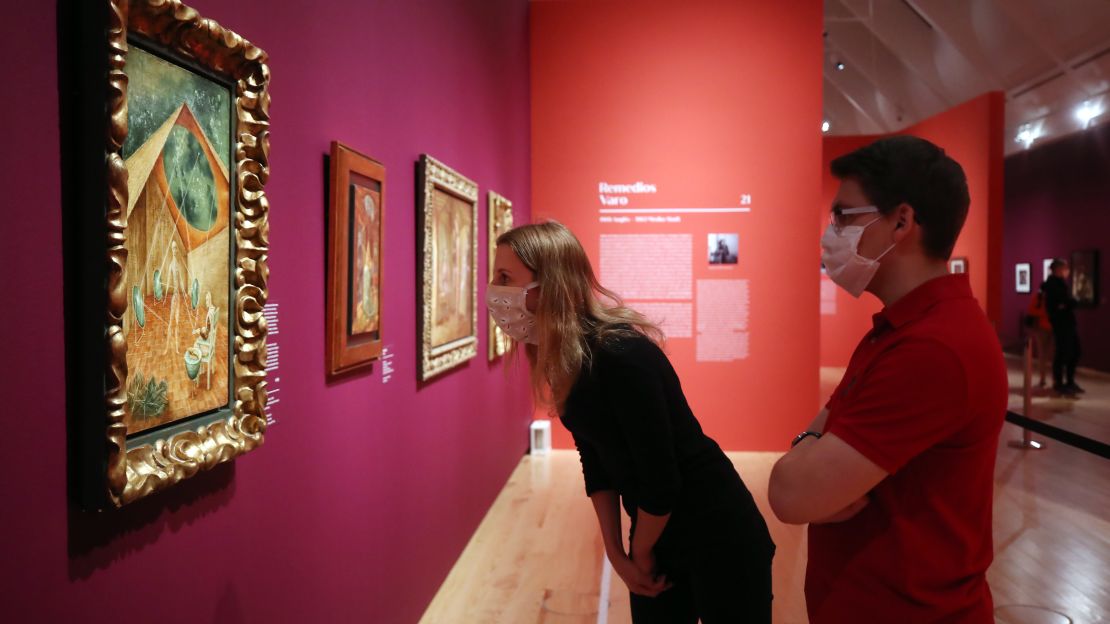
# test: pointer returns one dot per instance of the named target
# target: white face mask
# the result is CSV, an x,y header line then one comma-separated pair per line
x,y
507,305
841,258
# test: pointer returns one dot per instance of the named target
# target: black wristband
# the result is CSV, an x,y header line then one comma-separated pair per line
x,y
803,435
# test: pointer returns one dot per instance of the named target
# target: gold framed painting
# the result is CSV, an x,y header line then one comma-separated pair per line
x,y
500,221
167,248
356,224
1085,278
447,224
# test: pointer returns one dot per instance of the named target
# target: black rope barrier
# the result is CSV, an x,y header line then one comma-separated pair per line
x,y
1070,438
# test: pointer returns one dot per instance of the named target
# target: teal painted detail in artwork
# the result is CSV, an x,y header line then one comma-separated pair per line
x,y
192,362
195,294
190,177
156,88
159,293
137,306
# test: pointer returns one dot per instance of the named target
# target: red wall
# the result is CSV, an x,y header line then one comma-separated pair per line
x,y
708,100
364,494
971,134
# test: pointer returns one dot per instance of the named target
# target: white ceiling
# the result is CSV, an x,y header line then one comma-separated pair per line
x,y
907,60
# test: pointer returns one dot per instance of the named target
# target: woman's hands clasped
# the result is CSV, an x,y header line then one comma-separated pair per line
x,y
639,573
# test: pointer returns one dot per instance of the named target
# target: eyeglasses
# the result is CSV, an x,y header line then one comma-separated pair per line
x,y
841,218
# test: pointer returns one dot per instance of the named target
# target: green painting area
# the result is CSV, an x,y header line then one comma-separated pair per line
x,y
156,88
190,178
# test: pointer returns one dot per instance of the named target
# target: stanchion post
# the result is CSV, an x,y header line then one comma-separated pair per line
x,y
1027,442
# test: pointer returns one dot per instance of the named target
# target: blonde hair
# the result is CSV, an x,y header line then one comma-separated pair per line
x,y
573,310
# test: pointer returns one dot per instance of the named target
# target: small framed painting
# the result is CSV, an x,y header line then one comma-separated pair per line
x,y
1047,268
1084,278
447,225
957,265
1023,277
500,221
356,224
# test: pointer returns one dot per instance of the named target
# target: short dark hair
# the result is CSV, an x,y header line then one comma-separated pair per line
x,y
911,170
1057,264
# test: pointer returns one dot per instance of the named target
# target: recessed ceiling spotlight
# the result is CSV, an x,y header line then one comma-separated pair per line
x,y
1087,112
825,126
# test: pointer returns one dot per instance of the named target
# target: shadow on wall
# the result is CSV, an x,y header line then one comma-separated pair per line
x,y
97,540
228,610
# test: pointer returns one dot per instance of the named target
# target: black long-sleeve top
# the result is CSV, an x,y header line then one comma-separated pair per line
x,y
636,434
1058,302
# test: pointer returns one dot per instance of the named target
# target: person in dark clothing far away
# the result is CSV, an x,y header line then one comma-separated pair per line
x,y
698,546
1060,305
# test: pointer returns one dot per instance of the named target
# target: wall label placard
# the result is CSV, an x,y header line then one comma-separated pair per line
x,y
387,364
273,361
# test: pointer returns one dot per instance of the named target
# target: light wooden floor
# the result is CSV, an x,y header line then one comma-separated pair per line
x,y
537,556
1089,416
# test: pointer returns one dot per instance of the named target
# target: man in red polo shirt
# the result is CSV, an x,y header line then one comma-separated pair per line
x,y
895,475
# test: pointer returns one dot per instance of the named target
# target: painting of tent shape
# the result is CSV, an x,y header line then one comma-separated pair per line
x,y
178,242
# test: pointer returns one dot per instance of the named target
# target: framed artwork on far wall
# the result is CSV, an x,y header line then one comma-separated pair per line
x,y
957,265
447,227
1084,278
166,246
500,221
356,227
1047,268
1023,277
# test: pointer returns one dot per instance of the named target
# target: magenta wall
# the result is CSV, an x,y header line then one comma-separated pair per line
x,y
364,494
1057,202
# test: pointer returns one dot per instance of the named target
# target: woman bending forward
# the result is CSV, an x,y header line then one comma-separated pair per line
x,y
699,547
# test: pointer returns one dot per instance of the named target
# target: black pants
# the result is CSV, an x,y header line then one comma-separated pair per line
x,y
1067,353
719,564
721,588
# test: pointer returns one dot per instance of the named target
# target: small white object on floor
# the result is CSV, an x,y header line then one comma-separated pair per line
x,y
541,437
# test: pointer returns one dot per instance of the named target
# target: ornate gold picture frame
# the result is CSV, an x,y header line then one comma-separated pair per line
x,y
500,221
448,232
166,251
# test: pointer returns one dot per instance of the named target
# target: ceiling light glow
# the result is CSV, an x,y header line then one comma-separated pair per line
x,y
1028,133
1087,112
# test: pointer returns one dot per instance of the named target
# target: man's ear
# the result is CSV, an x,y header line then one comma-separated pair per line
x,y
904,221
905,215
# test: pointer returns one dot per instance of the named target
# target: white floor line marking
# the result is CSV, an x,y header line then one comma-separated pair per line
x,y
603,594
